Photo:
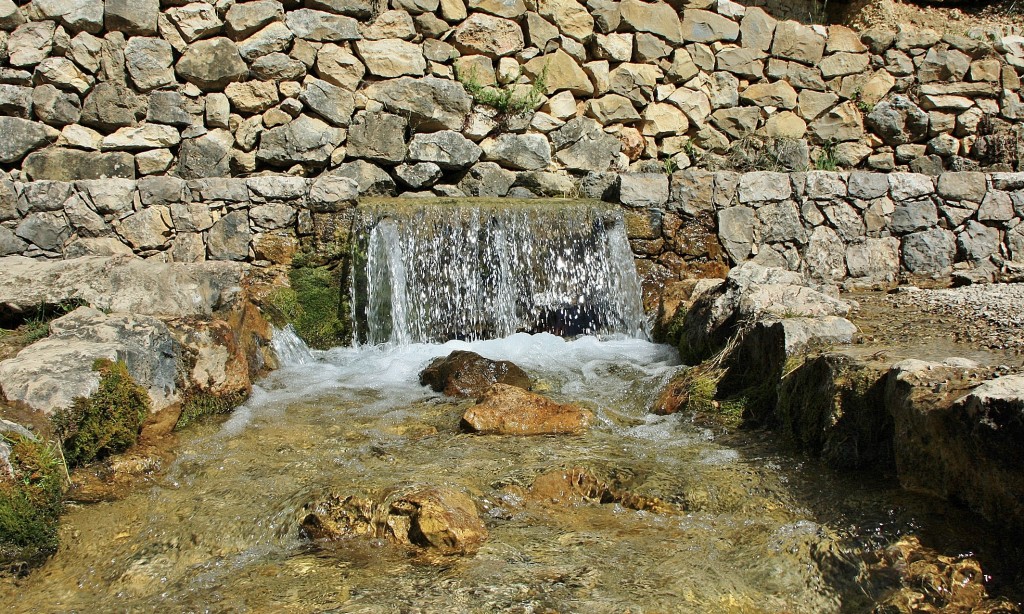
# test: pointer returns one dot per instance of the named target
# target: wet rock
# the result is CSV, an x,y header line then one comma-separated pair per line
x,y
949,432
508,410
438,518
933,582
469,375
577,485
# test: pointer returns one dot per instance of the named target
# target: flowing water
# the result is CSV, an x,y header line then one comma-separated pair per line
x,y
219,530
742,526
472,269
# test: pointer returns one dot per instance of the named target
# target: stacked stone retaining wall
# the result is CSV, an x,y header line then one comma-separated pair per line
x,y
395,94
833,226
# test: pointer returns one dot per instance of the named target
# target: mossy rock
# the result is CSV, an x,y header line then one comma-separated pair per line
x,y
31,502
201,405
315,305
107,422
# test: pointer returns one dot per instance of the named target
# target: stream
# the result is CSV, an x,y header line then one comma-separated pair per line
x,y
752,528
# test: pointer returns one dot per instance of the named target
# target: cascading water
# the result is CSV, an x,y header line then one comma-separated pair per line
x,y
468,270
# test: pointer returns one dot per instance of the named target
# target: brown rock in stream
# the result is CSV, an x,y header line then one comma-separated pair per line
x,y
469,375
577,485
507,410
441,519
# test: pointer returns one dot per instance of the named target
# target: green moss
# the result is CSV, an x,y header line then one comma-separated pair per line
x,y
315,305
108,421
200,405
30,504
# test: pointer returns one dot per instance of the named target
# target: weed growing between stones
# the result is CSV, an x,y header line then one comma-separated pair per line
x,y
507,99
826,160
108,421
756,153
31,501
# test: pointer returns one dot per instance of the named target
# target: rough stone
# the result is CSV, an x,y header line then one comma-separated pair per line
x,y
841,123
703,26
306,140
21,137
562,72
875,259
570,17
976,242
997,206
245,18
825,255
133,17
488,35
448,149
60,164
898,121
377,136
54,107
581,145
487,179
794,41
319,26
30,43
736,227
930,252
206,156
212,63
508,410
149,228
390,58
432,103
251,96
274,38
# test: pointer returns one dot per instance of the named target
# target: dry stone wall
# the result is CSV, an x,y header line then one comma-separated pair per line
x,y
371,89
856,227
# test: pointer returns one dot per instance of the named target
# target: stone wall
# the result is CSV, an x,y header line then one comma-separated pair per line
x,y
834,226
370,90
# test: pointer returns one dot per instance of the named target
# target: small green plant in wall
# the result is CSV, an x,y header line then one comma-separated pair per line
x,y
509,99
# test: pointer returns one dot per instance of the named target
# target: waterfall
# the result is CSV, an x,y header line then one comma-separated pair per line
x,y
480,270
289,348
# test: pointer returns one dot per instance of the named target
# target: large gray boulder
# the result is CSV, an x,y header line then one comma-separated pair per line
x,y
206,156
48,375
753,294
124,284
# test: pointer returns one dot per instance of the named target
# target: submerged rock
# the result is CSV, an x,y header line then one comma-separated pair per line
x,y
438,518
507,410
469,375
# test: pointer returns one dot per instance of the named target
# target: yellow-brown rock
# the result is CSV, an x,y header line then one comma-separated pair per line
x,y
507,410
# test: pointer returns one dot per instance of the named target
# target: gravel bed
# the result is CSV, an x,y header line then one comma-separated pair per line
x,y
988,315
